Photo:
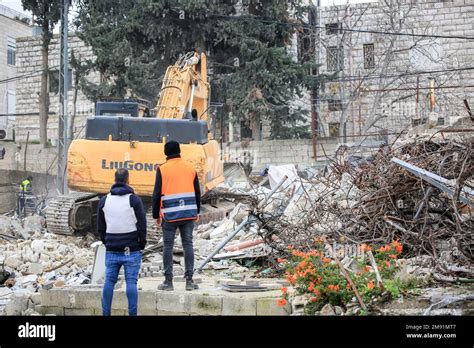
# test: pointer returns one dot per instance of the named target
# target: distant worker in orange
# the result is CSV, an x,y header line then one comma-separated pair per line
x,y
176,204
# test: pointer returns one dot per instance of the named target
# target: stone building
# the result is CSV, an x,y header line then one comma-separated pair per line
x,y
12,25
380,79
387,83
29,64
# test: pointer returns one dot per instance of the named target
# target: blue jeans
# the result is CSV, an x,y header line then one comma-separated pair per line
x,y
113,262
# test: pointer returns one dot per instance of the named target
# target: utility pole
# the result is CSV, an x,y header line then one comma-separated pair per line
x,y
63,129
315,106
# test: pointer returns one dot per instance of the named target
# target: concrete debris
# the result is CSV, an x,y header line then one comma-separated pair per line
x,y
39,260
376,199
5,291
327,309
35,268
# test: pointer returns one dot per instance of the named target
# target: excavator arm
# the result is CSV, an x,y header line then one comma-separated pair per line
x,y
185,92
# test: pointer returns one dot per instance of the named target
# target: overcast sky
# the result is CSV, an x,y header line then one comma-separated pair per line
x,y
16,4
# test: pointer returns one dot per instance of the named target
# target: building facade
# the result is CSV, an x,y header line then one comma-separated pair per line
x,y
383,82
29,65
374,80
12,26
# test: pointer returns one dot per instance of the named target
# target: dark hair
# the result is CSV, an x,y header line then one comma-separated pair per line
x,y
121,176
30,178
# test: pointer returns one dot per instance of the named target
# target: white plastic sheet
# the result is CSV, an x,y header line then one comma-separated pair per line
x,y
276,174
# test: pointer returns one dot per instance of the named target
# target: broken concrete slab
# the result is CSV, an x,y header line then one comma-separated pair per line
x,y
327,309
35,268
5,292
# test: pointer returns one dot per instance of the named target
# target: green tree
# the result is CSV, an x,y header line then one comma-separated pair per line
x,y
46,13
252,71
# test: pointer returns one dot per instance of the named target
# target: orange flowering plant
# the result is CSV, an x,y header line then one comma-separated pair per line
x,y
319,278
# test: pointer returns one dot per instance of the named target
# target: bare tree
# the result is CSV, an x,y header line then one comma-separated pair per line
x,y
46,14
393,76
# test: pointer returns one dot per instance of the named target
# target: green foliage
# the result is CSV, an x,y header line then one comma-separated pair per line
x,y
321,281
46,13
253,72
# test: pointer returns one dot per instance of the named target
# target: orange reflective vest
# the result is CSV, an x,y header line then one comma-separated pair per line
x,y
178,200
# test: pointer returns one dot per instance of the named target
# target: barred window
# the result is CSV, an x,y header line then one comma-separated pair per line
x,y
332,28
334,104
334,58
11,51
305,48
369,58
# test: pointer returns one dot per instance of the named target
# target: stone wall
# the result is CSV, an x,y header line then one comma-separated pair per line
x,y
394,100
43,185
29,63
398,108
259,154
40,164
38,159
9,28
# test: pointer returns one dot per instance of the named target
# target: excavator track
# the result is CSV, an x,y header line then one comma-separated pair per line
x,y
71,213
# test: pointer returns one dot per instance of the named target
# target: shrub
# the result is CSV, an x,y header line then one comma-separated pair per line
x,y
320,280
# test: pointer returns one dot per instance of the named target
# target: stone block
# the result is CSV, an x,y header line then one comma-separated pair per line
x,y
147,303
171,302
283,282
49,310
55,297
268,306
79,311
17,304
36,298
239,306
88,298
201,304
252,282
119,300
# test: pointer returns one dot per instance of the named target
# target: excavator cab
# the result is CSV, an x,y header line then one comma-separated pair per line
x,y
133,107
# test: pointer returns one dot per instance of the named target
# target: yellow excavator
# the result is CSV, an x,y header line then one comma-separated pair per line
x,y
123,135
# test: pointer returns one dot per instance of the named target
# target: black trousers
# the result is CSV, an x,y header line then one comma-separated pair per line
x,y
169,232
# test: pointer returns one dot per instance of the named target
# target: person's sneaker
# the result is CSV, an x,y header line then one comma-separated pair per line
x,y
190,285
167,285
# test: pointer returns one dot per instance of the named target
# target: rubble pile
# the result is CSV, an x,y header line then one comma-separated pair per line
x,y
31,259
376,200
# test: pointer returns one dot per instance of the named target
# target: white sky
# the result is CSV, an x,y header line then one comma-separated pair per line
x,y
16,4
13,4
